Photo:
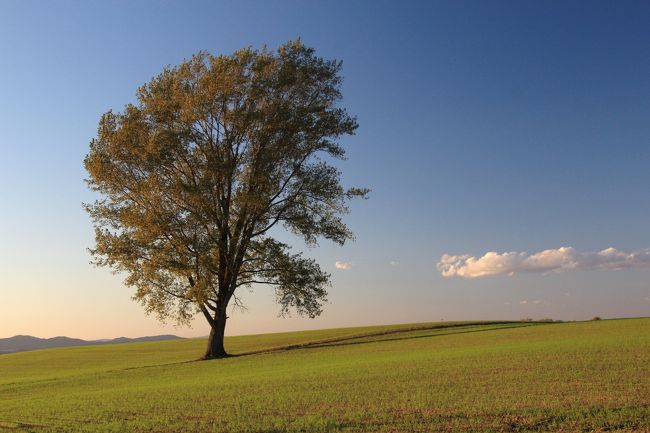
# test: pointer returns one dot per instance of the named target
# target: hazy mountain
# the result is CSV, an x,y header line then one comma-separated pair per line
x,y
21,343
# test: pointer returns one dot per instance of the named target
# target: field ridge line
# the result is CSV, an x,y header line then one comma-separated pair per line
x,y
382,333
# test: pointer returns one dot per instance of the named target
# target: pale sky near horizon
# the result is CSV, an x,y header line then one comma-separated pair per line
x,y
506,143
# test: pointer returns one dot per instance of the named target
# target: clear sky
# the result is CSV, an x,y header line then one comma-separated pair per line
x,y
507,127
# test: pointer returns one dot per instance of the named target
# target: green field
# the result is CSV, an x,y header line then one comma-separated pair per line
x,y
508,377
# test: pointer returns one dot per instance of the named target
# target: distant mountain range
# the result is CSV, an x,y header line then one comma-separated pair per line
x,y
22,343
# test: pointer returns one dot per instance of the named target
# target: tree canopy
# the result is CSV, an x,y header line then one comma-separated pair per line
x,y
193,178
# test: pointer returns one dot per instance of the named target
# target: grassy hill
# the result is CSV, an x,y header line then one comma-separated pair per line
x,y
23,343
483,377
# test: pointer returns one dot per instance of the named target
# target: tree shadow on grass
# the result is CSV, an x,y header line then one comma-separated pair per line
x,y
392,336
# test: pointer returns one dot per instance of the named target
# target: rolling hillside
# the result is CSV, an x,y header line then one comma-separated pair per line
x,y
482,377
23,343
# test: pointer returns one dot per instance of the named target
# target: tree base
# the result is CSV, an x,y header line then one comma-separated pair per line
x,y
208,357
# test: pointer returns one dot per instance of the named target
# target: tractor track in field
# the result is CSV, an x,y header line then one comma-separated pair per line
x,y
330,341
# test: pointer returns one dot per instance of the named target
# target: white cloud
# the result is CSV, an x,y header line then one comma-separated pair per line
x,y
562,259
535,302
393,263
343,265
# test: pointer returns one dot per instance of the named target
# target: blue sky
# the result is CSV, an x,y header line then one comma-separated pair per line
x,y
514,126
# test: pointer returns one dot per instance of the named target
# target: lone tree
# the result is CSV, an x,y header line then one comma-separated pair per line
x,y
192,179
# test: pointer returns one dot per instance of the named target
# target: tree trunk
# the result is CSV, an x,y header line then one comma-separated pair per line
x,y
215,347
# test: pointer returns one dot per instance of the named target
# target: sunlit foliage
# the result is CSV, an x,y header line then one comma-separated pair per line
x,y
216,153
